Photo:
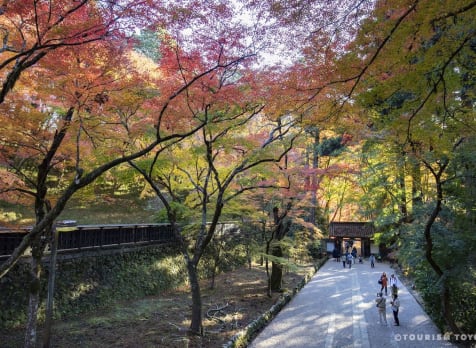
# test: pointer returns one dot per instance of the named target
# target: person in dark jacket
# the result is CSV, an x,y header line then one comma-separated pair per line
x,y
395,308
372,261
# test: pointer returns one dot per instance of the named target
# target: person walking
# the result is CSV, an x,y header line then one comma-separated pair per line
x,y
395,307
354,254
393,282
343,258
383,282
349,260
335,254
380,303
372,261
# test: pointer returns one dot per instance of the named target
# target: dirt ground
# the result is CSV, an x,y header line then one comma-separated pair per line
x,y
239,297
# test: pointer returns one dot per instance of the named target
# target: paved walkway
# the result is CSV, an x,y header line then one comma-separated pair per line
x,y
337,309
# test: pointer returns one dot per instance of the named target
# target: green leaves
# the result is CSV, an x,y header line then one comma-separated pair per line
x,y
331,146
148,43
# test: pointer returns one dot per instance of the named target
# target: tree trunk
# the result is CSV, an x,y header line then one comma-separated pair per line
x,y
196,320
266,262
196,313
276,270
445,291
403,190
281,229
447,309
263,239
417,192
249,257
34,296
315,134
214,269
42,206
470,188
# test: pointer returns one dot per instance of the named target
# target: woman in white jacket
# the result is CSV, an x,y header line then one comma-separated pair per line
x,y
393,282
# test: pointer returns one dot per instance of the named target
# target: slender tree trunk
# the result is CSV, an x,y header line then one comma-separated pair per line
x,y
34,295
470,188
196,320
277,270
42,206
248,249
248,242
417,191
401,183
263,239
216,260
445,290
268,276
281,229
196,313
315,133
37,249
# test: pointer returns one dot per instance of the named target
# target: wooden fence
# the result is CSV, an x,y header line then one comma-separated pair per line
x,y
95,236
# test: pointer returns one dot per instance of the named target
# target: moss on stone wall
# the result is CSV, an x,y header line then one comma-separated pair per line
x,y
96,281
92,279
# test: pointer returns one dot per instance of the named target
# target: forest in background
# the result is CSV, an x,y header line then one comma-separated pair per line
x,y
294,115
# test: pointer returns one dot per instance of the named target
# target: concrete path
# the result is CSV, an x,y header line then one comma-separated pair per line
x,y
337,309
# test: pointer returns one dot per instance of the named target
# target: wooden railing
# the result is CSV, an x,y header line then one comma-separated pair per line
x,y
9,240
95,236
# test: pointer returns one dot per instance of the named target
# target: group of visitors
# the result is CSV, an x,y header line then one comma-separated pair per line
x,y
348,258
381,300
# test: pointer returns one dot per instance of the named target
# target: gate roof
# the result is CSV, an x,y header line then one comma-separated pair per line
x,y
351,229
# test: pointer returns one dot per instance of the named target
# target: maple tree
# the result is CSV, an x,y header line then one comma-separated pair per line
x,y
419,80
76,102
409,63
85,112
45,147
102,123
226,159
318,86
32,30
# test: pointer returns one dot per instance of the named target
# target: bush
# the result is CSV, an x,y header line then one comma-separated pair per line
x,y
315,250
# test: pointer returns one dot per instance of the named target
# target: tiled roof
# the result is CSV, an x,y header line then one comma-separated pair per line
x,y
351,229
